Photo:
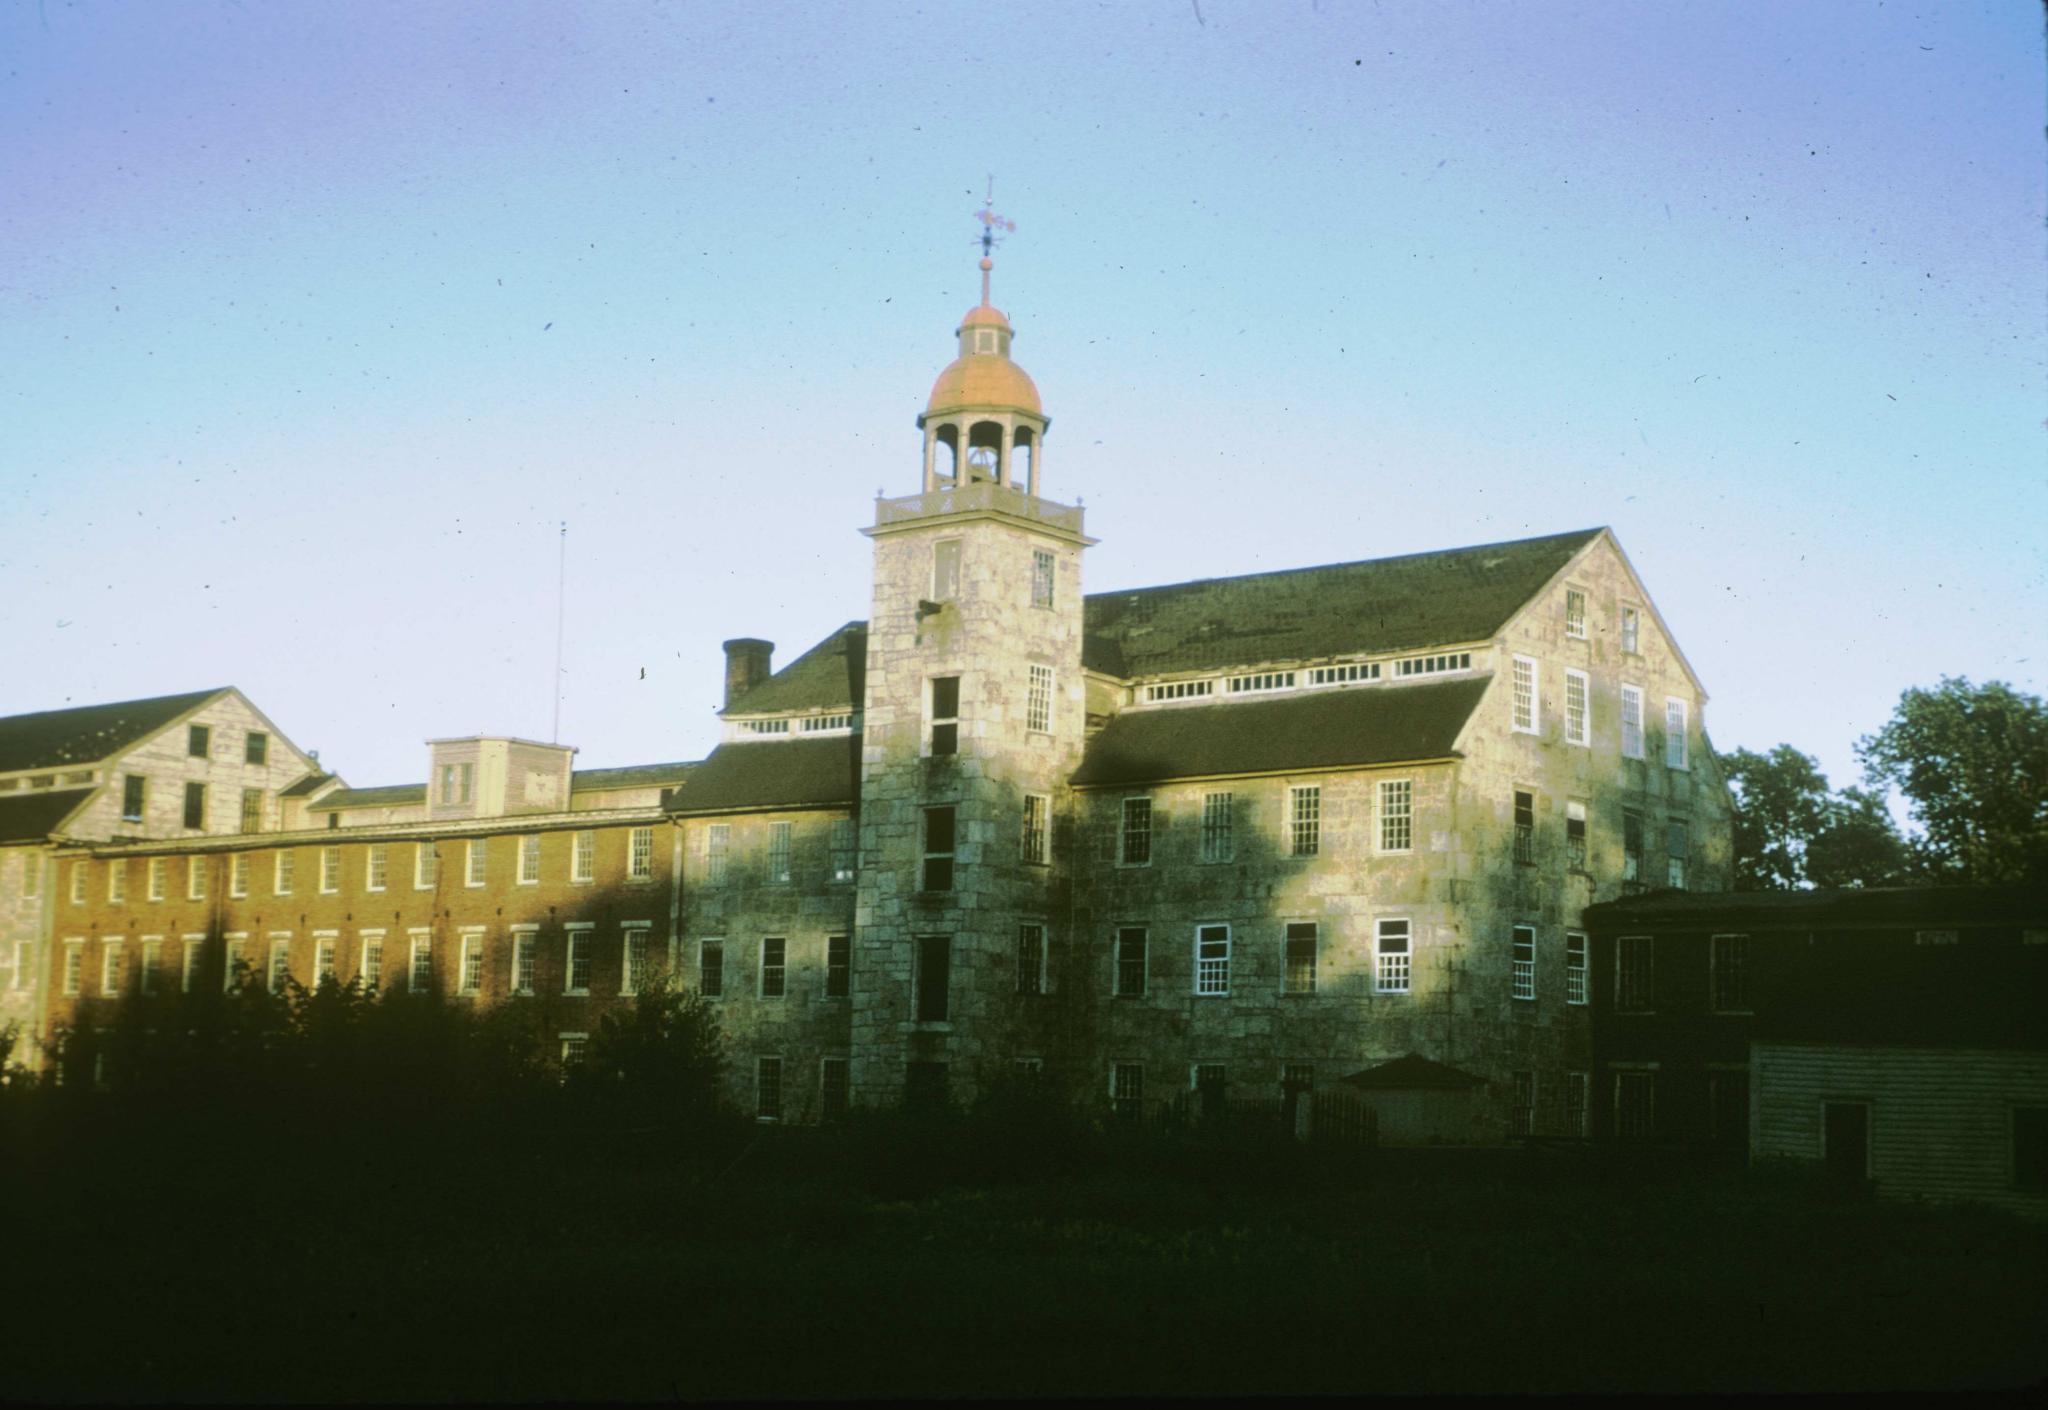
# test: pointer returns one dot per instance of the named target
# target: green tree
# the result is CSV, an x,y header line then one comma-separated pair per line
x,y
1973,762
1781,802
1858,844
663,1055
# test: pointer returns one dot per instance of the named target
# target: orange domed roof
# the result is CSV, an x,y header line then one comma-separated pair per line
x,y
983,316
983,381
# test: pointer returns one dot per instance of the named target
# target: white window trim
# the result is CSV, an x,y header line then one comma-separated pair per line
x,y
779,857
1631,613
150,947
419,941
113,967
326,937
529,849
702,943
156,878
1379,926
629,982
526,938
477,847
71,978
117,881
1294,794
471,938
1585,612
371,855
1584,736
330,876
1584,968
271,980
1034,673
1380,831
1683,735
1516,989
1196,953
761,969
234,948
363,939
190,960
583,858
238,876
1633,693
639,877
1123,831
421,853
1535,725
586,931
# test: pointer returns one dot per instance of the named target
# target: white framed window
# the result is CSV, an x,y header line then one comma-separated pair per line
x,y
420,968
1397,815
195,878
426,866
78,878
575,1048
1728,959
778,854
152,962
188,968
458,782
1634,975
1031,959
1574,835
478,857
370,961
1527,717
1038,700
1130,962
525,945
74,966
640,854
1305,820
1574,967
943,723
279,971
1036,843
117,881
1134,837
110,967
711,968
1523,1113
1179,690
529,860
1300,958
1631,630
1259,681
1391,957
827,724
717,851
326,947
234,966
1577,1103
238,875
768,1089
583,858
1344,674
1578,709
1674,733
632,959
1575,614
1678,844
1043,567
24,964
252,810
845,840
576,972
1522,962
774,972
469,973
945,570
330,870
1433,665
777,727
1219,812
1212,959
1631,722
134,794
159,878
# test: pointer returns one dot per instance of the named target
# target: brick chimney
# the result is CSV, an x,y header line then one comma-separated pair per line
x,y
746,665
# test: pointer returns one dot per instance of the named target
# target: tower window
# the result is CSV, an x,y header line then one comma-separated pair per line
x,y
1042,567
934,977
1038,703
945,715
984,340
938,849
945,570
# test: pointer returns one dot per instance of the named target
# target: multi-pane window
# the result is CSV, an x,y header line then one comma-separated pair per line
x,y
372,960
945,570
843,843
78,878
234,963
1042,568
110,968
1522,962
1674,733
1635,1105
420,973
1031,959
633,959
195,954
768,1089
938,849
1575,613
252,810
1259,681
198,740
1301,957
1305,820
575,1048
469,974
1525,717
458,783
478,861
1631,722
1574,967
529,859
159,876
1134,838
134,793
1730,962
1127,1088
195,805
838,967
117,881
1036,843
152,963
525,947
1631,630
778,853
1179,690
1525,827
1217,815
1633,977
640,854
324,948
1576,1088
576,972
774,967
583,857
426,866
1577,711
74,965
717,852
195,878
1391,957
280,971
945,715
934,977
256,747
1038,702
1677,843
1524,1111
1631,851
834,1089
376,866
1130,962
711,968
330,870
1575,835
1212,959
1397,815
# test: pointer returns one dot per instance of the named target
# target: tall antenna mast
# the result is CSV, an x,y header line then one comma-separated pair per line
x,y
561,597
991,224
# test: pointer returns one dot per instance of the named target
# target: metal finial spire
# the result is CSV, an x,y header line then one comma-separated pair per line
x,y
991,224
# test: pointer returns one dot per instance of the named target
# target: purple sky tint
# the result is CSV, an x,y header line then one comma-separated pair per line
x,y
315,321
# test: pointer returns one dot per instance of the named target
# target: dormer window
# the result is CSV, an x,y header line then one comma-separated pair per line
x,y
458,783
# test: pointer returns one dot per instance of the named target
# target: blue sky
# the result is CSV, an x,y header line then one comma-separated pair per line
x,y
317,321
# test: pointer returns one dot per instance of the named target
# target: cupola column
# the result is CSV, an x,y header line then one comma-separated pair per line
x,y
931,441
1005,468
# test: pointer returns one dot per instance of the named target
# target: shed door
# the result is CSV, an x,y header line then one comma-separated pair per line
x,y
1847,1141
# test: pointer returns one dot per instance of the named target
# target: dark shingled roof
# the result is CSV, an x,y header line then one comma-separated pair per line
x,y
30,817
1412,1073
1313,730
781,773
829,676
1866,908
52,738
390,795
309,784
632,776
1382,604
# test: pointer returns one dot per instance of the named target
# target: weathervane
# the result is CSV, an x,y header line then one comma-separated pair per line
x,y
991,224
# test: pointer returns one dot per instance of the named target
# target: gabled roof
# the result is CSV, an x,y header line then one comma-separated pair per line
x,y
632,776
53,738
1412,1073
311,783
1381,604
830,676
1349,726
781,773
30,817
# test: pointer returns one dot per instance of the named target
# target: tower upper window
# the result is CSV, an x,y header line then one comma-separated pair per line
x,y
945,570
984,340
945,715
